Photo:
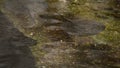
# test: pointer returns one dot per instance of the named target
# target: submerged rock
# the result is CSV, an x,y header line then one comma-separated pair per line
x,y
11,40
9,32
24,12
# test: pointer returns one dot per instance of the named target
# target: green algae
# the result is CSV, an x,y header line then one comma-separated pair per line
x,y
94,10
85,9
91,10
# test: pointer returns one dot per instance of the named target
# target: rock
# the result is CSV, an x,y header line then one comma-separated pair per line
x,y
11,39
9,32
24,12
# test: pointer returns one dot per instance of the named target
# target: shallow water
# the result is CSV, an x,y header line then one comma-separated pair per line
x,y
66,48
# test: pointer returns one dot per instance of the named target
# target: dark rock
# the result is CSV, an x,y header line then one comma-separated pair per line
x,y
7,54
11,39
9,32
